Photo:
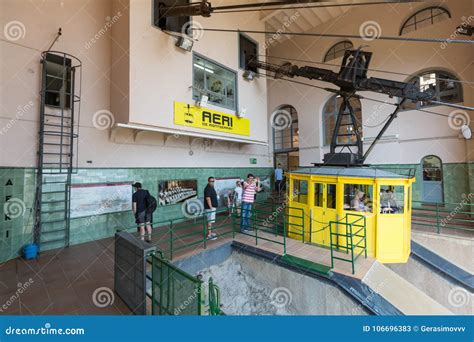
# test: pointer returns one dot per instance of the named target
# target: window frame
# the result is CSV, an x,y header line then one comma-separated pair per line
x,y
371,188
441,171
402,209
234,72
250,39
292,135
431,17
334,113
296,196
325,59
437,72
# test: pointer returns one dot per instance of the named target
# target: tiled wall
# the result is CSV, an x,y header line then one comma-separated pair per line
x,y
16,232
458,180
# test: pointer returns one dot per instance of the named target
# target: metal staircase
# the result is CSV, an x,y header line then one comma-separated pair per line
x,y
60,101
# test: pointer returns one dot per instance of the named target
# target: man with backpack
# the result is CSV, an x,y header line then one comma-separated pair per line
x,y
143,206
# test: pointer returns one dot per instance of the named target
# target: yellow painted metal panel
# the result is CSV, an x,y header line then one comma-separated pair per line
x,y
209,119
387,236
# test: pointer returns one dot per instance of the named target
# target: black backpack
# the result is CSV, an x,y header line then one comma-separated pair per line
x,y
150,203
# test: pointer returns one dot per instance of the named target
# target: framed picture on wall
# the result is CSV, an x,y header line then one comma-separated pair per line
x,y
99,199
176,191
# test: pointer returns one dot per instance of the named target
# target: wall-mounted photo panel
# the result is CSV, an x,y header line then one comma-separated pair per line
x,y
98,199
176,191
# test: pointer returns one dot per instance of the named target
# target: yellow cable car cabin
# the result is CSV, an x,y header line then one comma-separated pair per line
x,y
346,195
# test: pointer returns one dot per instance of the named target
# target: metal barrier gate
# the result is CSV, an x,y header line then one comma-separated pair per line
x,y
130,270
174,292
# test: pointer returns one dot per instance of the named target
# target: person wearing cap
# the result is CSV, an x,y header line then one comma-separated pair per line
x,y
210,206
142,218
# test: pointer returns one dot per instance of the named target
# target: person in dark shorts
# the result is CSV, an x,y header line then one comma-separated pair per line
x,y
210,206
142,217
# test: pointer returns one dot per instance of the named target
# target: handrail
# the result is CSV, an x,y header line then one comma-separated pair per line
x,y
350,246
439,216
214,299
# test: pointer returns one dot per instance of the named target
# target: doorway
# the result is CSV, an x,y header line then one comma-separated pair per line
x,y
432,179
323,211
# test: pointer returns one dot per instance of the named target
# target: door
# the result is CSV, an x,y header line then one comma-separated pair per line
x,y
323,211
432,179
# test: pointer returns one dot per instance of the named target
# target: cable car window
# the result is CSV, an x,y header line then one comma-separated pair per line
x,y
300,191
318,194
358,197
392,199
331,196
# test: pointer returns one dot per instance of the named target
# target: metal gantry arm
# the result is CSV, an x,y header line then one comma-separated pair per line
x,y
351,78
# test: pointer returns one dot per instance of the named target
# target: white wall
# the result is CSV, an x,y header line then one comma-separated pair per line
x,y
419,134
159,74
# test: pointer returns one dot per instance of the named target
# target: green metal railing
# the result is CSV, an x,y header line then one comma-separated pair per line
x,y
449,218
349,245
214,299
174,292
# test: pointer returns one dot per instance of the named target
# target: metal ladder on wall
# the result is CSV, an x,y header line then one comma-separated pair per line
x,y
60,100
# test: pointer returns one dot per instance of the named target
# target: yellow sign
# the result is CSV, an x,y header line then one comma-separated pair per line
x,y
205,118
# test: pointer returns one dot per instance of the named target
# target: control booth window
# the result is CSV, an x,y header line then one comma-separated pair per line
x,y
216,82
391,199
300,191
248,51
358,197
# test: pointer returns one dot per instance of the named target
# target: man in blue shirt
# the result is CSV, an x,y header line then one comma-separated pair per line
x,y
278,178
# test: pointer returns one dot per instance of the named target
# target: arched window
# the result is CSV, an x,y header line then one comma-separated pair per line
x,y
284,122
330,111
446,86
337,50
432,168
425,17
